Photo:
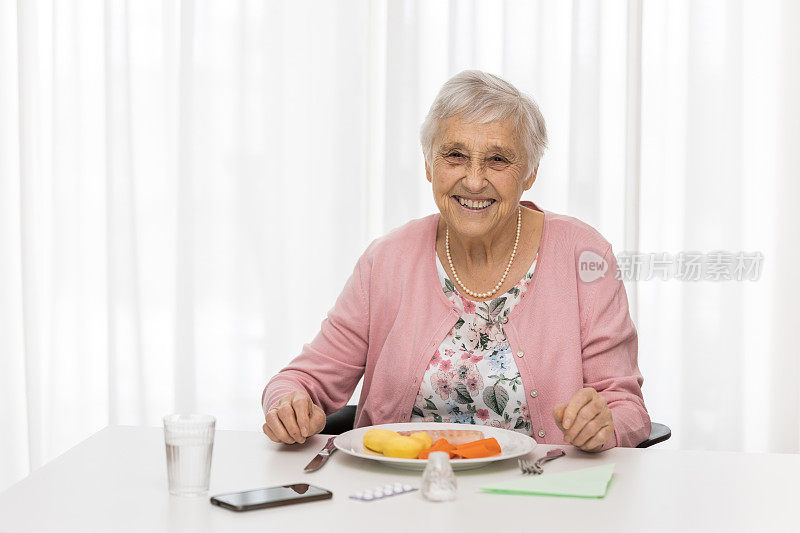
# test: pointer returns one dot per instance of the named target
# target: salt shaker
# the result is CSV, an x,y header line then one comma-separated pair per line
x,y
438,480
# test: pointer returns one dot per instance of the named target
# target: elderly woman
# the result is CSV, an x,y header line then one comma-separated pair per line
x,y
492,311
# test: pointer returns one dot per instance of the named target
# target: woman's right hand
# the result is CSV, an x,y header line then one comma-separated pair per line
x,y
293,419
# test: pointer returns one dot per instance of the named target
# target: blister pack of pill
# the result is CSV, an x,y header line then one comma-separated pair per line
x,y
379,493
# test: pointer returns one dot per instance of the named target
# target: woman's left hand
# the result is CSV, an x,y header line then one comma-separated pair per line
x,y
585,421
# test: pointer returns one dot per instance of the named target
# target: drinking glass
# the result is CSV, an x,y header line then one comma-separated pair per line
x,y
189,439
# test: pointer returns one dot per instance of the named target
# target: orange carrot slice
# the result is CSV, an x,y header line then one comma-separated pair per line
x,y
479,448
440,445
490,444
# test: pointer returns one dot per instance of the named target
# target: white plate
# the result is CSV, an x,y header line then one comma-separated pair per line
x,y
512,444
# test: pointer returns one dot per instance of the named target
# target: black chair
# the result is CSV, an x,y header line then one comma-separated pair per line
x,y
343,419
658,433
340,421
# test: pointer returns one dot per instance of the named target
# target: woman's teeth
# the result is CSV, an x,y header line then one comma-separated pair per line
x,y
474,204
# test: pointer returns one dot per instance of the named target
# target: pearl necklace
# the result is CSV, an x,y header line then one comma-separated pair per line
x,y
508,267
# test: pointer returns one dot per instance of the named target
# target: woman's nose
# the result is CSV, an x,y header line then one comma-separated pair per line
x,y
475,178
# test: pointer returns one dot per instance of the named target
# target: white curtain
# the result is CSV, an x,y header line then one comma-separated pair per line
x,y
720,171
185,186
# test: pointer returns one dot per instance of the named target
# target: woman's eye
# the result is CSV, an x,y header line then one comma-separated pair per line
x,y
455,158
498,159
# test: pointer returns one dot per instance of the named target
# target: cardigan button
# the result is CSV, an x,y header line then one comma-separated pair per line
x,y
534,393
520,353
504,319
542,433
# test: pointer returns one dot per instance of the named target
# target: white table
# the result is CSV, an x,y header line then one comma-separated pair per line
x,y
115,481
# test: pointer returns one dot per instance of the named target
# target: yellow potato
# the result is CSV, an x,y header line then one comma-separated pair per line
x,y
374,438
424,438
403,447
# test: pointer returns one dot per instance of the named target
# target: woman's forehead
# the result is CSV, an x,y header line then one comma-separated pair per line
x,y
498,133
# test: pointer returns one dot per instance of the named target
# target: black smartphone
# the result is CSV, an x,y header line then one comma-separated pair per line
x,y
271,497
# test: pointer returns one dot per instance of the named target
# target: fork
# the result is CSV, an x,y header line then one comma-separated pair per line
x,y
528,466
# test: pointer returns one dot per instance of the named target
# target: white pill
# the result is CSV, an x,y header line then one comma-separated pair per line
x,y
379,493
407,487
358,495
398,487
388,492
367,496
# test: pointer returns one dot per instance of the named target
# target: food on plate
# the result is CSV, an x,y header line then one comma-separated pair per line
x,y
403,447
453,436
470,450
459,443
424,438
375,438
479,448
441,445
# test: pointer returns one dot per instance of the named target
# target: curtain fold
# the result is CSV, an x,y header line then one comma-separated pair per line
x,y
185,186
13,383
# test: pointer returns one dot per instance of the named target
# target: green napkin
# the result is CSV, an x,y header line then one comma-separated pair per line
x,y
584,483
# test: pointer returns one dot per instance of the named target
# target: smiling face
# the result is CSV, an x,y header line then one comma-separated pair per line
x,y
483,166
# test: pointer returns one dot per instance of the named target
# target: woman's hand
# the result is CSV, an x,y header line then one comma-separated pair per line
x,y
293,419
585,421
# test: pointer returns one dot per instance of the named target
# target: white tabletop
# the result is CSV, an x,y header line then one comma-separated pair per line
x,y
116,481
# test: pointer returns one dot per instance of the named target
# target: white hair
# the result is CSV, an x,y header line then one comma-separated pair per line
x,y
482,97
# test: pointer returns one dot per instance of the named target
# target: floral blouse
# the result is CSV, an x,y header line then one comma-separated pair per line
x,y
473,378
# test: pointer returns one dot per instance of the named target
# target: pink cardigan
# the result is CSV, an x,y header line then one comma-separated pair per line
x,y
392,315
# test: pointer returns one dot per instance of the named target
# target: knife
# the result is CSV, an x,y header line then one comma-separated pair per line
x,y
317,462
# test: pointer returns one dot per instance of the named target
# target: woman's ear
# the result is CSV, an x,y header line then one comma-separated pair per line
x,y
428,172
531,177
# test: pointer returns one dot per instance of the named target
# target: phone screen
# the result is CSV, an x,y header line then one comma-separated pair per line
x,y
271,496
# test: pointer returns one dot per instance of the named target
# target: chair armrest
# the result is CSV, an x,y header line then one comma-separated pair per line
x,y
658,433
340,421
